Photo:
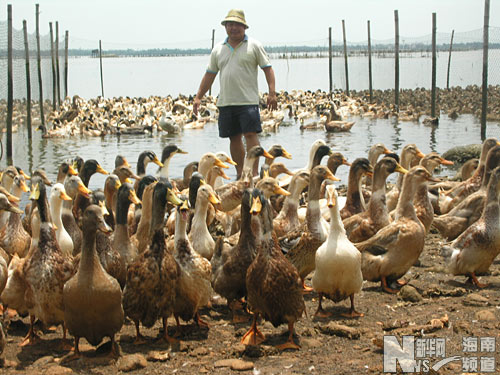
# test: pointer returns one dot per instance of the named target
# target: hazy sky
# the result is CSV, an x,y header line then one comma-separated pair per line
x,y
189,24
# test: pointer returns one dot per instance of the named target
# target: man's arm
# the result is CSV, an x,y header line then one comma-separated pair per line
x,y
206,83
272,102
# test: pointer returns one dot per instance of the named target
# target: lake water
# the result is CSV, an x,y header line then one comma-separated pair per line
x,y
49,153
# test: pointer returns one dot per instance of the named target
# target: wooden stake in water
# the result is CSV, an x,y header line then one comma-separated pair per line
x,y
10,87
484,107
28,80
370,63
330,62
39,64
100,64
52,56
433,84
345,60
66,43
58,80
396,60
449,61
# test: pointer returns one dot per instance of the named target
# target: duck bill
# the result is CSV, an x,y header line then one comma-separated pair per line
x,y
117,184
231,161
420,154
126,163
104,209
330,176
345,162
279,190
72,171
12,198
64,196
400,169
387,151
179,151
173,198
369,173
127,181
101,170
220,164
24,187
433,179
446,162
331,200
133,197
157,162
268,155
256,206
224,175
286,154
83,190
213,199
21,172
35,192
15,210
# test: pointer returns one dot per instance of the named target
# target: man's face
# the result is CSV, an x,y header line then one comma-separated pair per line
x,y
235,30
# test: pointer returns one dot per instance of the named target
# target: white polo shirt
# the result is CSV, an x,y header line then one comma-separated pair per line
x,y
238,71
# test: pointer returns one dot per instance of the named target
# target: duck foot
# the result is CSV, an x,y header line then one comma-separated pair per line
x,y
290,344
320,313
306,289
253,336
73,356
386,288
140,340
200,322
474,280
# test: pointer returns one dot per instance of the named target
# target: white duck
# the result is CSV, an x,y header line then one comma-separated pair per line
x,y
338,263
57,196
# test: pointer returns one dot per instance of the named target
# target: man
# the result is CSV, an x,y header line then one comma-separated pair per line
x,y
237,59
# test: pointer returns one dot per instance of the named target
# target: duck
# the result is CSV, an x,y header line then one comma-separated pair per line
x,y
73,186
142,235
389,254
121,240
121,160
111,186
453,223
287,219
125,174
183,183
57,196
7,181
467,170
230,194
167,154
304,242
14,239
230,263
355,202
274,289
473,252
90,167
194,288
143,160
214,174
65,170
45,271
361,226
335,160
152,278
409,152
337,274
137,214
461,190
225,158
277,150
422,202
199,235
373,155
207,161
92,298
333,125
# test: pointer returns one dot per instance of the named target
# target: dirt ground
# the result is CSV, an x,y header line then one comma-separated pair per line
x,y
330,346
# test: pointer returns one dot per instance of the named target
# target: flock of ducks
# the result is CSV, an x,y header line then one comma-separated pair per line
x,y
312,109
161,247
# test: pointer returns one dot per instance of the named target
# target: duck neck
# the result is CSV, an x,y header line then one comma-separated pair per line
x,y
313,213
336,225
199,223
354,195
164,170
291,203
88,246
180,228
55,212
405,206
141,166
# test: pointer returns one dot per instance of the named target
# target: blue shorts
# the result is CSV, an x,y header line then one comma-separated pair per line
x,y
239,119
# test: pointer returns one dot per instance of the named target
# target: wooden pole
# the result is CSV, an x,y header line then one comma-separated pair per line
x,y
54,83
433,84
370,64
100,64
10,87
28,80
345,60
213,43
330,61
484,108
449,61
58,80
39,65
396,60
66,44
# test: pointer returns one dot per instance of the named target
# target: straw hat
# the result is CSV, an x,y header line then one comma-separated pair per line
x,y
235,15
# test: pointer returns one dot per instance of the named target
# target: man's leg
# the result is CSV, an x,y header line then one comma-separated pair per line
x,y
252,139
237,150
